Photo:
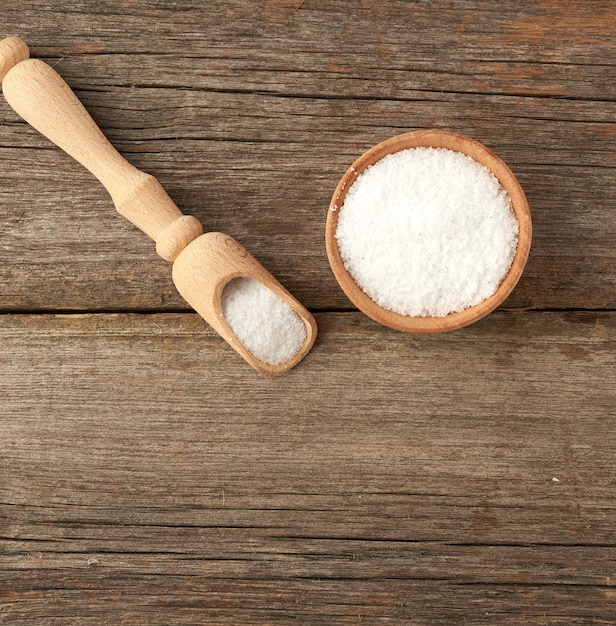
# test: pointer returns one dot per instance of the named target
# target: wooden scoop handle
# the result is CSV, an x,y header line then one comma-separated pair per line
x,y
42,98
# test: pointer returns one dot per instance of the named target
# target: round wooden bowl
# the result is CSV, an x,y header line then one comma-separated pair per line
x,y
433,139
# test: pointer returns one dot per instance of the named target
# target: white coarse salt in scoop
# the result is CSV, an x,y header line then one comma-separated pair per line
x,y
427,231
262,322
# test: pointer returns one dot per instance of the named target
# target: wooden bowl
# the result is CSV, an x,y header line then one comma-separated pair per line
x,y
433,139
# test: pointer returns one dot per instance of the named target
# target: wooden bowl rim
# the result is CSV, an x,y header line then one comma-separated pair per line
x,y
457,143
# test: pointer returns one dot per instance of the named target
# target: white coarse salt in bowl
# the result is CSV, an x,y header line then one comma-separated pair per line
x,y
428,231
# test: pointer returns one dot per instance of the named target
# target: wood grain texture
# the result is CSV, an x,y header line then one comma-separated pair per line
x,y
146,478
149,476
251,127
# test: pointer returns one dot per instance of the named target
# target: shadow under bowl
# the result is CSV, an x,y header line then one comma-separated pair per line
x,y
431,139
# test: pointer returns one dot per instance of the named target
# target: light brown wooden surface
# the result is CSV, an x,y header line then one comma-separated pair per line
x,y
149,476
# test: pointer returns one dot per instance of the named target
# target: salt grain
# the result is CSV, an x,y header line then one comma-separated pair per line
x,y
262,322
427,232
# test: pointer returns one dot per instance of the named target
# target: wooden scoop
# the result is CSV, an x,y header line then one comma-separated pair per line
x,y
203,263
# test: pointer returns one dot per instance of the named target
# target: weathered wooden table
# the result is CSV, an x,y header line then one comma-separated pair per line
x,y
149,476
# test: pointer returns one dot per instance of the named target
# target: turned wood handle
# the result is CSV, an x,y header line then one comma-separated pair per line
x,y
42,98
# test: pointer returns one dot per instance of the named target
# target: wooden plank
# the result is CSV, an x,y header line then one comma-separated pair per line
x,y
145,600
149,474
253,141
544,31
65,247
